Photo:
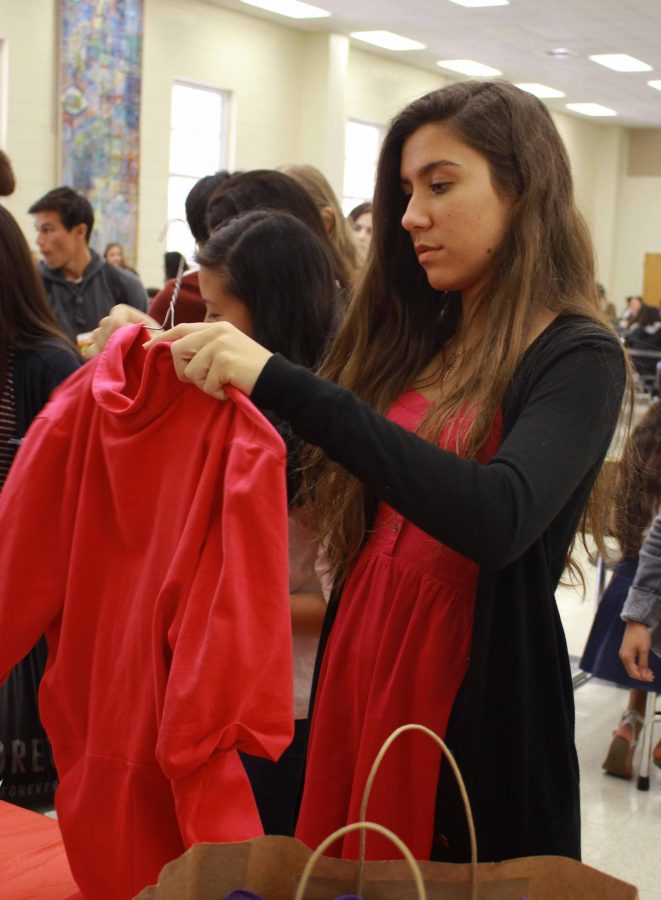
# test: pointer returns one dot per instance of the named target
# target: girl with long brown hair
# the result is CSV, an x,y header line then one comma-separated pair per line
x,y
464,412
35,354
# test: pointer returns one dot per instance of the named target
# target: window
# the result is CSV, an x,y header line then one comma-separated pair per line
x,y
198,146
362,145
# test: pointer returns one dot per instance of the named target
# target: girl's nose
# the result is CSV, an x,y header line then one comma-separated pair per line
x,y
414,216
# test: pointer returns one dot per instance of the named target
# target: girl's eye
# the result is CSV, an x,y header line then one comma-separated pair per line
x,y
440,187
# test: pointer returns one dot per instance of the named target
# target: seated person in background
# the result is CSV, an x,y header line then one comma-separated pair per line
x,y
644,334
190,306
360,219
631,310
81,287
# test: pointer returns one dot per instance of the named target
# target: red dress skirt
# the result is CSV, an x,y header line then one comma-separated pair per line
x,y
397,653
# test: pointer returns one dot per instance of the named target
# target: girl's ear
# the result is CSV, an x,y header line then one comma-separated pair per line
x,y
327,217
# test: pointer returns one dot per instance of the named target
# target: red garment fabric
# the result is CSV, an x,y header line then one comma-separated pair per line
x,y
145,532
189,306
32,858
397,654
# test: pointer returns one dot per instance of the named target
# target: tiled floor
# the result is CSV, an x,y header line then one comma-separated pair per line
x,y
621,825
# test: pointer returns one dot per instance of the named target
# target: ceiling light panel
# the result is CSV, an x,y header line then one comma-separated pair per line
x,y
475,3
293,9
620,62
543,91
387,39
591,109
468,67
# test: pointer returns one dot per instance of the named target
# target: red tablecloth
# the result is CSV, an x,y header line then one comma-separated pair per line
x,y
33,864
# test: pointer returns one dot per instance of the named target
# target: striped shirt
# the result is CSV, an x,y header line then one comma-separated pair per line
x,y
8,442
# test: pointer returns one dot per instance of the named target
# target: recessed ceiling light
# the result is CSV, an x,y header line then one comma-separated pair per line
x,y
655,84
481,2
591,109
559,53
621,62
467,67
293,9
387,39
540,90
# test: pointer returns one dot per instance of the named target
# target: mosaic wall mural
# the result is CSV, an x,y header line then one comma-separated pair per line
x,y
99,93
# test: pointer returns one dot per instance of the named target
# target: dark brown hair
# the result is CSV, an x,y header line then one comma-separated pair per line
x,y
397,323
637,495
25,316
7,178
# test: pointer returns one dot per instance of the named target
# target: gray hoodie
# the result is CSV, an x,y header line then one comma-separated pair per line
x,y
643,603
79,305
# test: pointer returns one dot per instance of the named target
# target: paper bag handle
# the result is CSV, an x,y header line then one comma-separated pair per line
x,y
460,783
362,827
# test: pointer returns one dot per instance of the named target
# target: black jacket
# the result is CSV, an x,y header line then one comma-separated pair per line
x,y
512,724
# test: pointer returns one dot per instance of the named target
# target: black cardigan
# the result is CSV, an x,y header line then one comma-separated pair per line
x,y
37,372
512,724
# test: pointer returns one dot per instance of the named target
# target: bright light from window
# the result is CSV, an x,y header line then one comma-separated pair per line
x,y
293,9
591,109
361,153
655,84
198,146
621,62
467,67
387,40
542,91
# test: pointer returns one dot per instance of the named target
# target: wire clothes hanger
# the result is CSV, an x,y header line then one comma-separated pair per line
x,y
168,321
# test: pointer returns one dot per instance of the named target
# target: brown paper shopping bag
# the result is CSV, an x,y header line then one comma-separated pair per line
x,y
281,868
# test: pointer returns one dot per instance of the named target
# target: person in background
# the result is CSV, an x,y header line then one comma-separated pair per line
x,y
461,417
271,277
644,334
114,254
360,218
259,189
35,356
270,189
636,501
339,230
189,306
7,178
642,612
81,287
631,310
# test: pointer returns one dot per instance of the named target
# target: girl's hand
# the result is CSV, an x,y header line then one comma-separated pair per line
x,y
635,649
119,315
210,355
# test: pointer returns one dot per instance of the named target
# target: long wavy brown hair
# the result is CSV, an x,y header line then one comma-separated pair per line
x,y
396,323
637,495
25,316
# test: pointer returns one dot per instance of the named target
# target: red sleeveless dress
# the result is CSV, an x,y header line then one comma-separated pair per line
x,y
397,653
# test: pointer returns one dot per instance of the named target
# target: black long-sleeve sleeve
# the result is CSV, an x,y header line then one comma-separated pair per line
x,y
490,513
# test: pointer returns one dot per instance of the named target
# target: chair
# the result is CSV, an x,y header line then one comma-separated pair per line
x,y
652,716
